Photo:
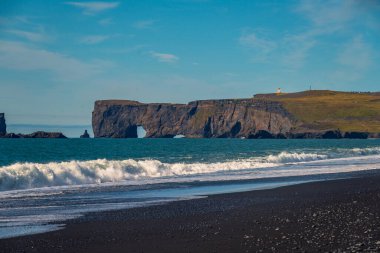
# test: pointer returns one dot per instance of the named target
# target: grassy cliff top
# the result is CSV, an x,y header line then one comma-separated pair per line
x,y
324,109
315,109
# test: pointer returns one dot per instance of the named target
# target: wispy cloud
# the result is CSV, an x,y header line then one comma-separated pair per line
x,y
19,56
92,8
335,15
24,27
125,50
260,45
31,36
164,57
353,60
356,54
323,18
14,20
330,18
296,49
93,39
106,21
144,24
325,12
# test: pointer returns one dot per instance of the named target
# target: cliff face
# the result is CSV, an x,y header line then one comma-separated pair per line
x,y
248,118
3,126
318,114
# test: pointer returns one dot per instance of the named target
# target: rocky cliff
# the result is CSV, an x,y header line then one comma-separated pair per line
x,y
235,118
3,126
310,114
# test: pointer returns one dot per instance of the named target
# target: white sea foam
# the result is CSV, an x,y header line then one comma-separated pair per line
x,y
364,151
285,157
35,175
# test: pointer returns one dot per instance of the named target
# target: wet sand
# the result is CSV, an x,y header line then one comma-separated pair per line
x,y
339,215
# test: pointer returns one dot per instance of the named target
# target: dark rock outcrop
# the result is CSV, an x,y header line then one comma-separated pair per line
x,y
3,126
85,134
42,134
313,134
374,135
356,135
13,136
235,118
262,134
38,134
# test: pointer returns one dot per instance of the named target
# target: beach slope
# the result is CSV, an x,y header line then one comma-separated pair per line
x,y
320,216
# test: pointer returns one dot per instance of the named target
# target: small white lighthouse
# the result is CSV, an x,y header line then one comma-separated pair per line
x,y
278,92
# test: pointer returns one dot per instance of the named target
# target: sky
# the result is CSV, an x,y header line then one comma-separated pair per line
x,y
58,57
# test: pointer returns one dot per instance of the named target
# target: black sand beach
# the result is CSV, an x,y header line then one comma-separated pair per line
x,y
336,216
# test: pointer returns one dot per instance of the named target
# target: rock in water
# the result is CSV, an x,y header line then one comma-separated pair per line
x,y
85,135
42,134
39,134
3,126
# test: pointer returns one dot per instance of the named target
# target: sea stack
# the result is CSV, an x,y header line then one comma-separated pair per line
x,y
85,134
3,126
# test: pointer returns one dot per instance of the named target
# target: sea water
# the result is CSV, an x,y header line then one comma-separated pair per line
x,y
45,182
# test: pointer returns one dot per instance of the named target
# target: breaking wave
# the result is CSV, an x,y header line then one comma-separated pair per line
x,y
36,175
33,175
364,151
285,157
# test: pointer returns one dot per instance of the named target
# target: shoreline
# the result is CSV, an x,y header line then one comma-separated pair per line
x,y
342,214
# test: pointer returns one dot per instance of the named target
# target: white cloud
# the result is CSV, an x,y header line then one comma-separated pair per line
x,y
94,39
356,54
15,20
144,24
296,49
323,13
19,56
261,46
323,18
330,18
164,57
32,36
353,61
290,50
124,50
92,8
105,21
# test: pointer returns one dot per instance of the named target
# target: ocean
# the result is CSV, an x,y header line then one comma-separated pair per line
x,y
45,182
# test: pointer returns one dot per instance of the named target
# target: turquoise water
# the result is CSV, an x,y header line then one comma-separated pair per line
x,y
45,182
165,150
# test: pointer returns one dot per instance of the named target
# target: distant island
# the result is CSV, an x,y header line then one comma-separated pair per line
x,y
38,134
319,114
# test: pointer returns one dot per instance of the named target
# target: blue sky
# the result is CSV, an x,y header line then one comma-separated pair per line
x,y
58,57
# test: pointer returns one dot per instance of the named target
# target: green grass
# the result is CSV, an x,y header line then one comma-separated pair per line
x,y
331,109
